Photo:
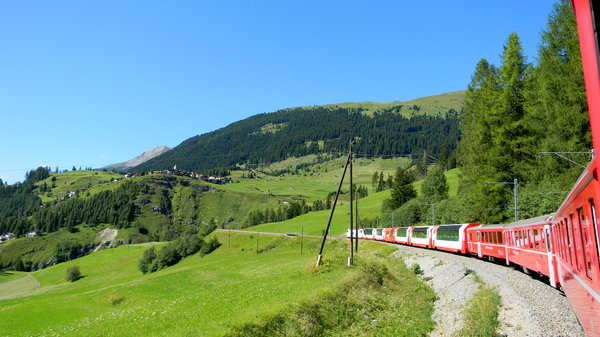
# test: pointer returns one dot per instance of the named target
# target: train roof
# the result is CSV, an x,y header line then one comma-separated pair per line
x,y
490,226
532,221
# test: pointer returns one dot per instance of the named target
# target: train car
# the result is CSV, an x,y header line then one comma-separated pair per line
x,y
487,242
388,234
361,233
575,237
575,225
378,234
421,236
401,235
451,238
528,245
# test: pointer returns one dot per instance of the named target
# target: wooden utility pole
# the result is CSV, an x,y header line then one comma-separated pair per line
x,y
351,258
357,219
333,209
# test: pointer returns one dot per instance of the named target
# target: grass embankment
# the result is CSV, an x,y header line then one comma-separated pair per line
x,y
480,316
236,285
381,299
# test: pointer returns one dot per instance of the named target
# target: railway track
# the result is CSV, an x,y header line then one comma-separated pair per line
x,y
529,306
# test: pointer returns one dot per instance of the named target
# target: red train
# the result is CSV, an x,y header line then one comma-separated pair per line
x,y
564,247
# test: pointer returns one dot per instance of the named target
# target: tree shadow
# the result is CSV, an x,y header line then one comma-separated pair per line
x,y
6,273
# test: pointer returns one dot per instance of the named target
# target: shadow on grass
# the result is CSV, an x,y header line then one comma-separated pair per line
x,y
6,273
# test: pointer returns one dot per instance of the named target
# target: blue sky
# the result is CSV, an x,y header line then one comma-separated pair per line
x,y
92,83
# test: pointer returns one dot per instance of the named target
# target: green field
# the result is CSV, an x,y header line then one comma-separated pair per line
x,y
315,181
79,181
369,207
211,296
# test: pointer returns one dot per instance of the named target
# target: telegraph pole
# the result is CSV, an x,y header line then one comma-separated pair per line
x,y
333,209
351,258
356,242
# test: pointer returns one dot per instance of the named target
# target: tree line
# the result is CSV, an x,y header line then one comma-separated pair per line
x,y
513,114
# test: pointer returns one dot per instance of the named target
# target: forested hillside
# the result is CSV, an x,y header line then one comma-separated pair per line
x,y
272,137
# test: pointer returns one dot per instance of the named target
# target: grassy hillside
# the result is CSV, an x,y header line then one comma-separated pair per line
x,y
81,181
384,129
227,292
431,105
191,203
370,207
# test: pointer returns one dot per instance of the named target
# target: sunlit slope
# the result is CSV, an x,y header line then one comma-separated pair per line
x,y
431,105
198,296
314,223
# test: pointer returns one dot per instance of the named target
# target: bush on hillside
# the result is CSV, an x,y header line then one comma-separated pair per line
x,y
146,263
175,251
73,274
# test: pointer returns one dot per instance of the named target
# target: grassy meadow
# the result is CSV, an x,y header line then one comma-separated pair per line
x,y
314,223
432,105
234,288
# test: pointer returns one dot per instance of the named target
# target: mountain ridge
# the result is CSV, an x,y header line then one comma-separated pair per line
x,y
142,158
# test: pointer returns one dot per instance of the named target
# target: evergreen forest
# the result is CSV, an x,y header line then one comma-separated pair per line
x,y
523,121
272,137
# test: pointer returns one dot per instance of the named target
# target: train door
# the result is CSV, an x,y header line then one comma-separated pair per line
x,y
586,244
479,244
595,231
551,265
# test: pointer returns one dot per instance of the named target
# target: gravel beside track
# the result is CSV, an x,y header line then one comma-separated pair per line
x,y
529,306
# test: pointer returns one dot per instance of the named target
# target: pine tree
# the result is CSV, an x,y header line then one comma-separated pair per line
x,y
510,144
557,104
435,186
403,189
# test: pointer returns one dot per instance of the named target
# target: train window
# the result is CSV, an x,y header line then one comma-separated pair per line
x,y
566,241
530,238
368,231
595,224
570,239
401,232
500,237
576,241
448,233
536,239
420,233
587,265
561,239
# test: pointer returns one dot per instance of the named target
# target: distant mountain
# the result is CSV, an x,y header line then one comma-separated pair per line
x,y
381,129
144,157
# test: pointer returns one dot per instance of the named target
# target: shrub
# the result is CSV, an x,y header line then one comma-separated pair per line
x,y
175,251
208,247
73,274
416,268
146,263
